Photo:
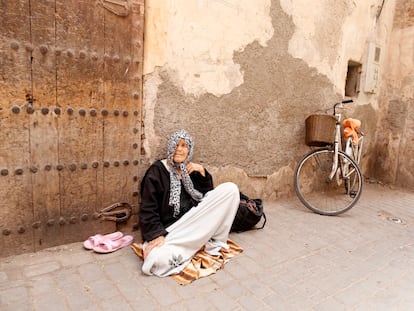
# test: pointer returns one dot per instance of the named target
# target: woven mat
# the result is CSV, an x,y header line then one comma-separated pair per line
x,y
202,264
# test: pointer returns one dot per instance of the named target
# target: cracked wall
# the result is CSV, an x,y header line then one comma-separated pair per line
x,y
394,148
242,76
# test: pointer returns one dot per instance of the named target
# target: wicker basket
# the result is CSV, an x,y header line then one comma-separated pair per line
x,y
320,130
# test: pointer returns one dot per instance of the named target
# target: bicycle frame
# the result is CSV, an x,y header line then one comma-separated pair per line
x,y
351,149
338,141
355,150
336,149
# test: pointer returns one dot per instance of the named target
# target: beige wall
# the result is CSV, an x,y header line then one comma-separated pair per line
x,y
395,141
243,75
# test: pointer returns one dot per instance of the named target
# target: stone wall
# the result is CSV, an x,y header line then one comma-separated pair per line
x,y
243,75
394,148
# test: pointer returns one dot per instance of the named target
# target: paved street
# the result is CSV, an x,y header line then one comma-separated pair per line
x,y
362,260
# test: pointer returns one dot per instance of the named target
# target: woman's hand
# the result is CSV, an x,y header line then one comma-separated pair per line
x,y
154,243
194,167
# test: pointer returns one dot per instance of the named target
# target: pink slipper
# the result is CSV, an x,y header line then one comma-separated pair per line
x,y
94,240
108,246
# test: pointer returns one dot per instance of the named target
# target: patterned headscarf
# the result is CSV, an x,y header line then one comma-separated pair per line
x,y
175,184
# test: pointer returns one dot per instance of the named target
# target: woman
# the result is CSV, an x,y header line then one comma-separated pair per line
x,y
181,211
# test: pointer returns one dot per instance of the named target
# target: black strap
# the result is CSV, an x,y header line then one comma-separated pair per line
x,y
258,228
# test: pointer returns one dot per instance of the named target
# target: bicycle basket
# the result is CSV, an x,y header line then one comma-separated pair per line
x,y
320,130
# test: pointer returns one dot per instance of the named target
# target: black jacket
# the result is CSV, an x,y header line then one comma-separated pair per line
x,y
155,213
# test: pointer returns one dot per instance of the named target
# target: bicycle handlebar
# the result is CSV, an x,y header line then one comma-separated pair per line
x,y
340,104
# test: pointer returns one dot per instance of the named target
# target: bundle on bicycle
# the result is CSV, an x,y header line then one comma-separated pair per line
x,y
328,179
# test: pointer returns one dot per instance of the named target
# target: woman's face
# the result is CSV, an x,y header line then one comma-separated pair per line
x,y
181,152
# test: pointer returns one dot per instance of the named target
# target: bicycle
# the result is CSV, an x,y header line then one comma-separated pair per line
x,y
328,180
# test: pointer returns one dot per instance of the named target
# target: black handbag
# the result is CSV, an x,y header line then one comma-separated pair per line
x,y
249,213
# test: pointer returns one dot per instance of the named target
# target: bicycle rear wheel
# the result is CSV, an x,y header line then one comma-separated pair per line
x,y
323,195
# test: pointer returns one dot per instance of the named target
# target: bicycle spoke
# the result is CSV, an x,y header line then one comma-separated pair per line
x,y
324,196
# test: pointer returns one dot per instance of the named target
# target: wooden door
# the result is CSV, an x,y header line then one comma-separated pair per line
x,y
70,118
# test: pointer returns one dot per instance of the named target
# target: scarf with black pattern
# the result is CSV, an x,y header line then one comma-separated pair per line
x,y
175,183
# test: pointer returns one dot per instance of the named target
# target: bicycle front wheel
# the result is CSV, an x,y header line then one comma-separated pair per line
x,y
321,194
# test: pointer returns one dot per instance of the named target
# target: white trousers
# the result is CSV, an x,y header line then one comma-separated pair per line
x,y
207,224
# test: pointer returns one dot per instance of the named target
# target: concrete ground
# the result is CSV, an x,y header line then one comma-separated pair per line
x,y
361,260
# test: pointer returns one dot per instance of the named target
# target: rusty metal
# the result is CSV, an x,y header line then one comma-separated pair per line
x,y
72,167
4,172
94,56
29,47
15,109
30,109
84,166
135,162
30,99
59,167
117,7
7,231
125,113
50,222
62,221
84,217
106,164
126,162
43,49
14,45
70,111
82,54
82,112
116,163
45,110
36,225
95,164
21,229
57,111
118,212
48,167
33,169
93,112
18,171
105,112
116,112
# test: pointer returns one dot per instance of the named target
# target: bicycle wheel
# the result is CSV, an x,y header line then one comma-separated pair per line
x,y
323,195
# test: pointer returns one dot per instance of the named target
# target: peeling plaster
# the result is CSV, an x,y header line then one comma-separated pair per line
x,y
328,36
196,40
246,135
402,59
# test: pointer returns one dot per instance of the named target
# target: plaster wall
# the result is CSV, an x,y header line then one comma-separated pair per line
x,y
243,75
395,164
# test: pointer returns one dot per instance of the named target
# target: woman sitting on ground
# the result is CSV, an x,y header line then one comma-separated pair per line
x,y
181,211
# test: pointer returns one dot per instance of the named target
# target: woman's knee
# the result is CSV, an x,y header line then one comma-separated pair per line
x,y
225,192
231,191
229,187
